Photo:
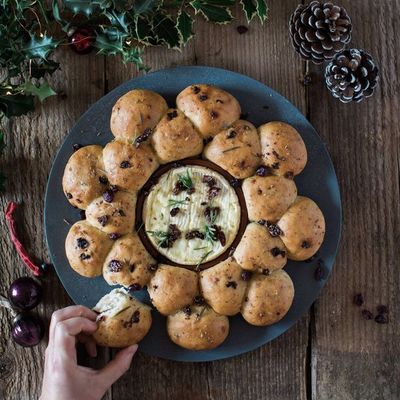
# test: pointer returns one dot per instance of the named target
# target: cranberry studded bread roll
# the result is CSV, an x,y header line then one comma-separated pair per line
x,y
268,197
303,229
129,166
198,328
283,149
122,320
136,113
175,137
223,287
196,206
82,181
86,248
268,298
258,251
236,149
172,288
128,263
210,109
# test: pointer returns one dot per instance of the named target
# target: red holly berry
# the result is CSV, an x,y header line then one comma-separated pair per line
x,y
82,40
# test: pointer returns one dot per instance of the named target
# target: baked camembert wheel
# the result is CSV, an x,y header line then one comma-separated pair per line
x,y
197,206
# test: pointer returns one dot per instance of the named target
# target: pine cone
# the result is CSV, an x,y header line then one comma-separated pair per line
x,y
352,75
319,30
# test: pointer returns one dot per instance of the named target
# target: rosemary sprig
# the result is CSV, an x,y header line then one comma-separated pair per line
x,y
231,149
162,237
186,180
175,202
201,248
210,234
202,259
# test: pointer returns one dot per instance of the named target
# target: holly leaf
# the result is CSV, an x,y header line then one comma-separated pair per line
x,y
249,9
117,19
164,29
262,10
143,31
110,41
81,6
14,105
144,6
184,25
42,67
40,47
212,13
41,91
219,3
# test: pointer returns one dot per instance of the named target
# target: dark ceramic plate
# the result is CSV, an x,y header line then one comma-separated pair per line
x,y
318,181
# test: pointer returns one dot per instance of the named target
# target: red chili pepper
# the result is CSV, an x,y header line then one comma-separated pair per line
x,y
11,207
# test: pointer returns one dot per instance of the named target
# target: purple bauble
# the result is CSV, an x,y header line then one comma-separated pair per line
x,y
27,330
25,293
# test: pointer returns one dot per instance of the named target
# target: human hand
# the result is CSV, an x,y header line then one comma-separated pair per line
x,y
63,378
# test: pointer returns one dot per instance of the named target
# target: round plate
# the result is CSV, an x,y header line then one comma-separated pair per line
x,y
318,181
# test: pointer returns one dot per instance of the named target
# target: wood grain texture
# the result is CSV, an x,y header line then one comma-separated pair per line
x,y
32,142
355,359
278,369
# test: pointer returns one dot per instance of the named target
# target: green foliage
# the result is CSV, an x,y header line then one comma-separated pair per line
x,y
30,31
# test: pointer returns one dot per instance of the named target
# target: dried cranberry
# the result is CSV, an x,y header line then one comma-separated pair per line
x,y
382,319
103,180
143,137
108,196
174,232
262,171
203,97
273,229
242,29
266,271
211,213
178,188
367,314
114,236
276,251
172,115
235,183
208,180
358,299
152,267
246,275
82,243
84,256
125,164
174,211
190,190
220,235
135,317
194,234
196,89
213,114
115,266
103,220
231,284
187,310
213,192
198,300
305,244
382,309
134,287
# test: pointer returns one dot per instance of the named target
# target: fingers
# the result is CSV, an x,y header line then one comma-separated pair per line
x,y
90,344
69,312
118,366
65,333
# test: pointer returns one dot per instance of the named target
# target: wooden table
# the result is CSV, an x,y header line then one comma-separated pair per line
x,y
332,352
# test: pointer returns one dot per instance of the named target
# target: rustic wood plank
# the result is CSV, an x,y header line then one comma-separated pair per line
x,y
353,358
278,369
32,142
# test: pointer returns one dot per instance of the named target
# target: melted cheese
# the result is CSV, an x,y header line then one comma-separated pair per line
x,y
157,217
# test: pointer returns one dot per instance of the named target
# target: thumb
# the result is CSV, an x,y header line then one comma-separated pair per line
x,y
118,366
